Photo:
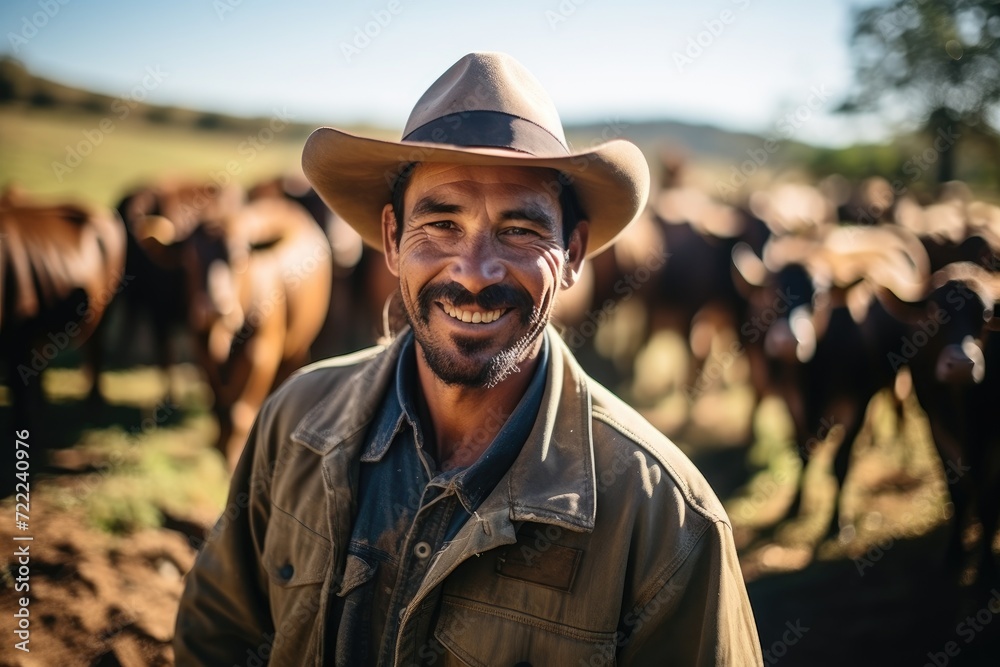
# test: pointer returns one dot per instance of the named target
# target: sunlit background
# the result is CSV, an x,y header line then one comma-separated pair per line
x,y
824,173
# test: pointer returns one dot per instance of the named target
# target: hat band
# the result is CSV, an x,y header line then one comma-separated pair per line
x,y
489,129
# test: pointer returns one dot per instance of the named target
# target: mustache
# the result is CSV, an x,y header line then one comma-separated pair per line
x,y
491,297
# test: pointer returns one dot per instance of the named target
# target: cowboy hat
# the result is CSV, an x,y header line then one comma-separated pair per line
x,y
486,110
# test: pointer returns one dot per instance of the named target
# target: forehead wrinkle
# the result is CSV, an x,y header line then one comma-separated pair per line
x,y
517,201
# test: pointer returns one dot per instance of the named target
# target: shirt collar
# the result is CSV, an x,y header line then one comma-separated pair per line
x,y
390,416
551,481
476,481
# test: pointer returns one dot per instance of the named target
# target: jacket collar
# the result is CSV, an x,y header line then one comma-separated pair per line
x,y
551,481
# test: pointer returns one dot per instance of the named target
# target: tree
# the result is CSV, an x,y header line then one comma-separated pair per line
x,y
937,59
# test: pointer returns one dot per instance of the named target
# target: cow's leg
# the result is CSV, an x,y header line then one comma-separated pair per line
x,y
265,351
961,488
987,483
25,383
801,410
853,420
166,357
94,362
989,509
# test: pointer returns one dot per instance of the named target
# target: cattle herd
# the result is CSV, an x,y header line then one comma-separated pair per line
x,y
830,293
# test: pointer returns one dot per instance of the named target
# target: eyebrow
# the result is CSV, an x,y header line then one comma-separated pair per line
x,y
532,213
434,206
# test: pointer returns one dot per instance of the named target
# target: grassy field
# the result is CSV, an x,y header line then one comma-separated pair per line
x,y
38,148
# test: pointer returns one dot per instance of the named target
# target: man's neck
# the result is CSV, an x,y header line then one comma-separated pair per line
x,y
465,420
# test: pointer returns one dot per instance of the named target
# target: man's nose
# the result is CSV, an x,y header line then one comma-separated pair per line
x,y
477,266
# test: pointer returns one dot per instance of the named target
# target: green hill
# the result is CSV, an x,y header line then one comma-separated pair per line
x,y
64,141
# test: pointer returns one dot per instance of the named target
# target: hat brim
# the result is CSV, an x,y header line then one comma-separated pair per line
x,y
354,176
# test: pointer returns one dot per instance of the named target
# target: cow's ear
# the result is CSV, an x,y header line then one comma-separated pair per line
x,y
389,245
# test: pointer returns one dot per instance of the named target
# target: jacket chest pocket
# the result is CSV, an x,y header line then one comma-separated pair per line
x,y
297,561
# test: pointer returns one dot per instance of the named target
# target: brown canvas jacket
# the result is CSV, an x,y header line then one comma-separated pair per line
x,y
601,545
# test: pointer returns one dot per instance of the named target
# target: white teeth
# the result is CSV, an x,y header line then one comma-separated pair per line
x,y
474,318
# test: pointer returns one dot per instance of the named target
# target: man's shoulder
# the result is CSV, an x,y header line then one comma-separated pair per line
x,y
319,382
344,363
632,437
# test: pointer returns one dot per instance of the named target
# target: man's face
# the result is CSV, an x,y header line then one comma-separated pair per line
x,y
480,262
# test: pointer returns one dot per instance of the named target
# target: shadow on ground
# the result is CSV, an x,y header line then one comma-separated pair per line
x,y
902,609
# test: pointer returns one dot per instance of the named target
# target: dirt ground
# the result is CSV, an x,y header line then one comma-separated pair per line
x,y
97,599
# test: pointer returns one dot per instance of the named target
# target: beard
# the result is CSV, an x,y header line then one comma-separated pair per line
x,y
465,368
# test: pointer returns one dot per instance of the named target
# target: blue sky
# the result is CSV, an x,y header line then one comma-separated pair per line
x,y
738,64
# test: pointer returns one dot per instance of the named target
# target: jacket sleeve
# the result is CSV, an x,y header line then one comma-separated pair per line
x,y
223,617
701,616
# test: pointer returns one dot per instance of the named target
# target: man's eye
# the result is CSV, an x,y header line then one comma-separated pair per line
x,y
519,231
441,224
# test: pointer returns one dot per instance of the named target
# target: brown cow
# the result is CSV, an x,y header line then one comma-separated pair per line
x,y
258,285
362,283
60,266
158,219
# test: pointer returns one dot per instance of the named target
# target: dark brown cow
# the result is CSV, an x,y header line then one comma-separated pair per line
x,y
669,272
954,354
821,326
60,266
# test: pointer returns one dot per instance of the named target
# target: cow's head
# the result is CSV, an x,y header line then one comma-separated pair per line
x,y
215,271
965,306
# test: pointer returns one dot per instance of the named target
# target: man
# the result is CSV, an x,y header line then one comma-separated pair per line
x,y
466,495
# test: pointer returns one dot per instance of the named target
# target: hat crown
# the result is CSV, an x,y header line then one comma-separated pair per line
x,y
487,81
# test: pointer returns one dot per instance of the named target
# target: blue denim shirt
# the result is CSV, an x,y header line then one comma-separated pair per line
x,y
408,509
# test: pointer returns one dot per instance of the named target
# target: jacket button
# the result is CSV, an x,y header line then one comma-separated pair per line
x,y
286,571
422,550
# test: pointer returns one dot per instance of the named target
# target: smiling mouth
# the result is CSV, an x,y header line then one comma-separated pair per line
x,y
474,317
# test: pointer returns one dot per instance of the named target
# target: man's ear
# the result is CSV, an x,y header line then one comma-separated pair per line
x,y
575,252
389,246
